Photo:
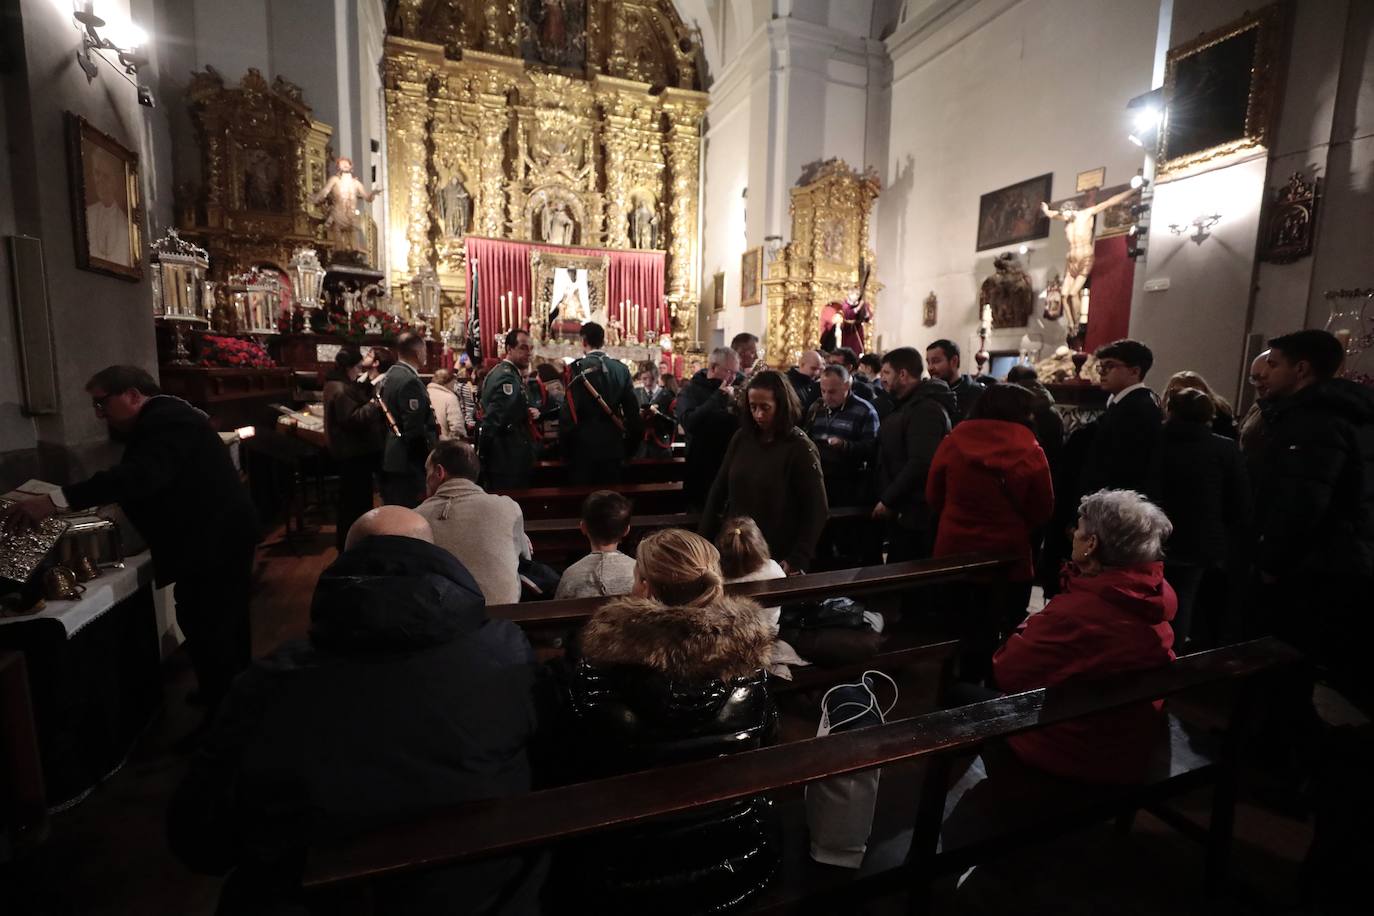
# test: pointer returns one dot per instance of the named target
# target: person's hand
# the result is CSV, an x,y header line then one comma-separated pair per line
x,y
790,569
26,514
534,413
834,441
838,319
728,391
881,512
1044,208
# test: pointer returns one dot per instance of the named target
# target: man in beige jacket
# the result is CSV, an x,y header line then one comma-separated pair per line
x,y
448,410
485,532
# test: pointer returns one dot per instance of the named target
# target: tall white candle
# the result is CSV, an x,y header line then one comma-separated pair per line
x,y
1083,315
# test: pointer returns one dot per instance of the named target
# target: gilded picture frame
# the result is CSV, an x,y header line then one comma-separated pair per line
x,y
751,277
544,270
1222,92
107,205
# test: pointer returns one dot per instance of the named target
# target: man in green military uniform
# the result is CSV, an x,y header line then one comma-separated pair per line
x,y
411,430
507,435
600,422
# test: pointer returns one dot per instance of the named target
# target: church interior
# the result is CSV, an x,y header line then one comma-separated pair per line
x,y
685,281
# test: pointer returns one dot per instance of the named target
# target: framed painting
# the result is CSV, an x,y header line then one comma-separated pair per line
x,y
718,291
107,209
751,277
569,290
1012,214
1222,92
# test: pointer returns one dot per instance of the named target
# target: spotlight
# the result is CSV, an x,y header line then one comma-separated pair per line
x,y
145,97
1139,181
1023,250
1146,113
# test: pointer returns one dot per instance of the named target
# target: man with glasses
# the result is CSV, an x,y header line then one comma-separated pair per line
x,y
507,418
1121,451
178,486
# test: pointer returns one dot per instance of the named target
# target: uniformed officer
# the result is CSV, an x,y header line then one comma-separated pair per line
x,y
507,433
600,423
411,431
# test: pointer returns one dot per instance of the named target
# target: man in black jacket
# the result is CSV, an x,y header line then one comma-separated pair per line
x,y
178,486
858,384
943,361
907,440
600,391
705,408
1316,508
406,698
805,378
1121,453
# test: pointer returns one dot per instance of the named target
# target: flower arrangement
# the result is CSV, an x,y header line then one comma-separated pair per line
x,y
233,353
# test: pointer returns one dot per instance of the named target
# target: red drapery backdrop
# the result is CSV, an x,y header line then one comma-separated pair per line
x,y
504,267
1109,306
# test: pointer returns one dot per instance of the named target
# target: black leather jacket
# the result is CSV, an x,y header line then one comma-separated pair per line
x,y
629,706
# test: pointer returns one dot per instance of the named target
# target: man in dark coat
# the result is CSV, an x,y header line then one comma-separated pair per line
x,y
179,488
805,378
845,429
705,408
507,446
600,421
907,440
1123,442
406,698
943,361
1316,514
411,428
859,384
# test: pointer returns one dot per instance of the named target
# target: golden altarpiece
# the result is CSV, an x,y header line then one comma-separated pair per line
x,y
263,158
831,209
564,121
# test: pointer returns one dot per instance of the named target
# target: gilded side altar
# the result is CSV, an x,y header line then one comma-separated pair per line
x,y
831,208
575,122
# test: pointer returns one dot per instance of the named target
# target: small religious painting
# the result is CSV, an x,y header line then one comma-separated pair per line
x,y
1117,219
1093,178
107,212
1291,221
261,181
718,292
569,290
1012,214
751,277
932,305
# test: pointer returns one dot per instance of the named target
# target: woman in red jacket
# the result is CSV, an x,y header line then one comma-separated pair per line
x,y
1112,616
990,485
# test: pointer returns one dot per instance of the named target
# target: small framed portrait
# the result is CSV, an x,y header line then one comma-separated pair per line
x,y
718,291
751,277
107,209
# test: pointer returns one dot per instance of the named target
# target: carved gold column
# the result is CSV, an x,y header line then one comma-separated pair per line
x,y
684,110
407,74
491,204
615,138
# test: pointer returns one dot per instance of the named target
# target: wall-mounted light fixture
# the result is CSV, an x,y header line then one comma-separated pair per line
x,y
1201,226
128,49
1146,114
1137,237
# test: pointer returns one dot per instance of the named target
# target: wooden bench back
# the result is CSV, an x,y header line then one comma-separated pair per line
x,y
505,825
861,580
564,502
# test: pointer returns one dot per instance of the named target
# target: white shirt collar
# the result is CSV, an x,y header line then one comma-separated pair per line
x,y
1123,392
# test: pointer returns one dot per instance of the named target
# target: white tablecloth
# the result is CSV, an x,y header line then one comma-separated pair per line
x,y
113,586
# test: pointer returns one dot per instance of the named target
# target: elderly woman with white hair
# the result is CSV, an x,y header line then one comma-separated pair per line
x,y
1112,616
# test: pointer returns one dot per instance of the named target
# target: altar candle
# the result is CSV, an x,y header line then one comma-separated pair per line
x,y
1083,315
521,302
987,315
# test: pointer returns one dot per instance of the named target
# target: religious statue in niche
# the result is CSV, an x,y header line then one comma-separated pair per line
x,y
1292,221
261,181
556,224
842,323
1008,290
932,305
455,208
643,226
1078,230
344,193
556,33
832,240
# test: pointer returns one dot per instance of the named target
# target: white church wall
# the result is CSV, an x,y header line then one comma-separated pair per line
x,y
983,95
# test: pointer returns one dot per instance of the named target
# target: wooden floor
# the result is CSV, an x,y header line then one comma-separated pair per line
x,y
108,855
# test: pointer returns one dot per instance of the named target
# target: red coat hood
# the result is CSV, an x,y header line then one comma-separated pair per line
x,y
1138,590
998,445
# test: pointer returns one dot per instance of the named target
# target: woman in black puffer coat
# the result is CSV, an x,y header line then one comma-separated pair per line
x,y
673,673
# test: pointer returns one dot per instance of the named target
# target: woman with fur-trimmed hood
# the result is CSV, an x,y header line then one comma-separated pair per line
x,y
672,673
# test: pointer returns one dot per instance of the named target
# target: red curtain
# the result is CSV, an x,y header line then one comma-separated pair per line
x,y
1109,306
504,267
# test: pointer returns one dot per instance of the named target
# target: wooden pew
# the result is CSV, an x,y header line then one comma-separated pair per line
x,y
559,541
538,819
636,470
566,502
862,580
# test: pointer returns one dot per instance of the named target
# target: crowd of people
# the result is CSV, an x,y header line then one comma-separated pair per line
x,y
1165,524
